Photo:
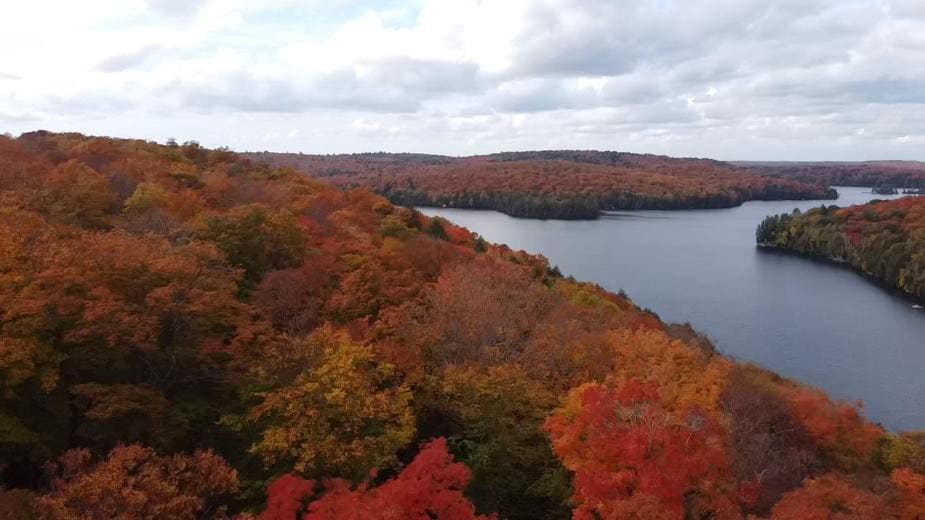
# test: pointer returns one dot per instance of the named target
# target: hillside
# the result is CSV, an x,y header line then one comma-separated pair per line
x,y
884,240
896,174
187,334
565,184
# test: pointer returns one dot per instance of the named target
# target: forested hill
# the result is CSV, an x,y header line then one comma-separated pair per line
x,y
567,184
889,174
187,334
884,240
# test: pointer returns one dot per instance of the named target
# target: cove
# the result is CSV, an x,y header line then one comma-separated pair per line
x,y
815,322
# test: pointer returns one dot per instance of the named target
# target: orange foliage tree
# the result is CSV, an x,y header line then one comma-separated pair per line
x,y
135,482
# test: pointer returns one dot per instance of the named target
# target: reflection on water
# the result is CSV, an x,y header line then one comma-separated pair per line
x,y
633,215
809,320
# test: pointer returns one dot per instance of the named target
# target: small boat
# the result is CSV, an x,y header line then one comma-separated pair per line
x,y
918,307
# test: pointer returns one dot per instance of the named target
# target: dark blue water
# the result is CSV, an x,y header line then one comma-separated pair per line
x,y
815,322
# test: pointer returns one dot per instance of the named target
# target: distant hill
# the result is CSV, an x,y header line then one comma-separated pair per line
x,y
567,184
900,174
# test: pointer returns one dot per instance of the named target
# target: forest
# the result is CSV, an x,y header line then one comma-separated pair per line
x,y
562,184
884,240
884,174
186,333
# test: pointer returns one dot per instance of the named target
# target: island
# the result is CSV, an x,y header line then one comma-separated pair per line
x,y
885,189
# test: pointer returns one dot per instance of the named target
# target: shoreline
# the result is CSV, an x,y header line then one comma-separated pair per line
x,y
600,212
843,264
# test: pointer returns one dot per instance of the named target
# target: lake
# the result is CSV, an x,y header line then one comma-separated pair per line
x,y
815,322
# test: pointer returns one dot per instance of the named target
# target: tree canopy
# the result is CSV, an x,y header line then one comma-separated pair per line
x,y
186,333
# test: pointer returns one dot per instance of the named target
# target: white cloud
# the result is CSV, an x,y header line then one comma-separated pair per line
x,y
177,8
788,79
128,60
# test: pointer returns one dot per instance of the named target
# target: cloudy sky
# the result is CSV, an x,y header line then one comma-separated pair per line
x,y
731,79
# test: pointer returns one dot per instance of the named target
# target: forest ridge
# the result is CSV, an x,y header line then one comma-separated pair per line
x,y
894,174
186,333
564,184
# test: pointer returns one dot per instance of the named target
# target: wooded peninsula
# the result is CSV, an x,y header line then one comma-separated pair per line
x,y
560,184
884,240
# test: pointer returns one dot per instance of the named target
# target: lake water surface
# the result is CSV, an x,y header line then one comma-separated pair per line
x,y
818,323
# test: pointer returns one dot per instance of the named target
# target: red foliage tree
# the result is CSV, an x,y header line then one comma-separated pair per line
x,y
847,439
292,299
911,486
429,488
620,442
830,497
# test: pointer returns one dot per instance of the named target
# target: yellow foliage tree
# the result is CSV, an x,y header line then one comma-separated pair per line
x,y
345,414
684,376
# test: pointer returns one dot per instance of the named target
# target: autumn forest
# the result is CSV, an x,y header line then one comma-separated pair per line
x,y
191,333
895,174
561,184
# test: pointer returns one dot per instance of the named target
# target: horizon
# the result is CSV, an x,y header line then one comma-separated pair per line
x,y
817,80
452,156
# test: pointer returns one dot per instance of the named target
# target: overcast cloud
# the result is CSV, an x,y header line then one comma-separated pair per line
x,y
731,79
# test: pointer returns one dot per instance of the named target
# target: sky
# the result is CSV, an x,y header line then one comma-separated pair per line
x,y
728,79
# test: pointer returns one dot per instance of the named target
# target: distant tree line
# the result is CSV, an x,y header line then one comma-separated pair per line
x,y
898,174
582,206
